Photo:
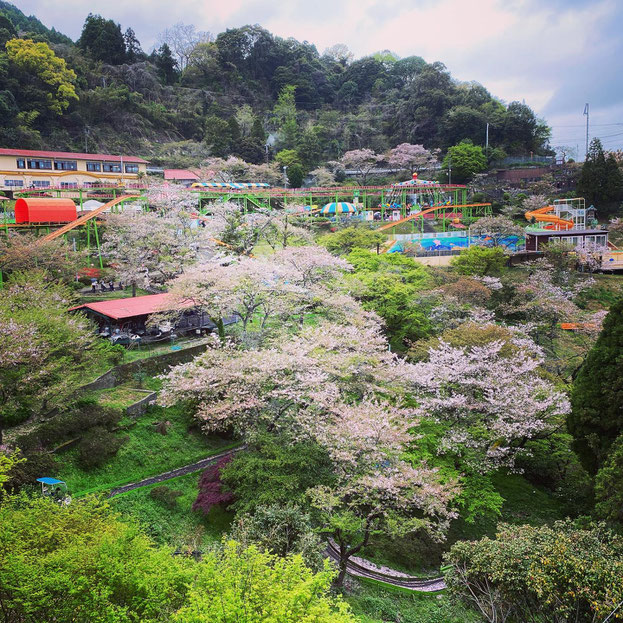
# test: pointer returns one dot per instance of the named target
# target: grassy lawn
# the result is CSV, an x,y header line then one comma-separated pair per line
x,y
373,603
108,296
146,453
117,397
178,526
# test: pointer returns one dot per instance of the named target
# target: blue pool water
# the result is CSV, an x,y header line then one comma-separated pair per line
x,y
455,242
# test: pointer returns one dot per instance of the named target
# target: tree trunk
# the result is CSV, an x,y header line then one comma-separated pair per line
x,y
220,325
133,288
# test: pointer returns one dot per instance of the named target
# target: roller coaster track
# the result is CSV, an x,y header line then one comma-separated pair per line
x,y
409,582
86,217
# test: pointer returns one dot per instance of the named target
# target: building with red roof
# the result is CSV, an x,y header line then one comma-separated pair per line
x,y
131,316
28,168
181,176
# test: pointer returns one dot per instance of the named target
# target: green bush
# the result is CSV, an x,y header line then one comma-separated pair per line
x,y
345,240
63,427
480,261
165,495
25,474
97,446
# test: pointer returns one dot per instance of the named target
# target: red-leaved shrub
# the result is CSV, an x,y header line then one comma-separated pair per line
x,y
211,488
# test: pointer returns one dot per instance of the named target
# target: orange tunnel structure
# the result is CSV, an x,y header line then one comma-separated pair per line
x,y
45,210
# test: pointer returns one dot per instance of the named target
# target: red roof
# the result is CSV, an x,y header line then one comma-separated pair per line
x,y
68,154
133,306
180,174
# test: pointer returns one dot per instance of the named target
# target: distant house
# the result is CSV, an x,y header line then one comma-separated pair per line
x,y
131,315
180,176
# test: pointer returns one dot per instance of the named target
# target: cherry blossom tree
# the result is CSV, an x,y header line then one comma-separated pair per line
x,y
326,386
497,229
149,248
362,161
283,285
489,405
23,251
44,350
292,382
410,157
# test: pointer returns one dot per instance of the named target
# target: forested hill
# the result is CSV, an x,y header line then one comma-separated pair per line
x,y
198,95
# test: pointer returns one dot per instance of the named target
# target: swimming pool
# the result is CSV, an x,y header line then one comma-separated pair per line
x,y
442,243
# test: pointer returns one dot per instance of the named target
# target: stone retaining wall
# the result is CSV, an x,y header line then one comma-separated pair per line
x,y
150,366
138,408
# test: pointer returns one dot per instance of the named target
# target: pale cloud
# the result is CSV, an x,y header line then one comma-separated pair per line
x,y
553,54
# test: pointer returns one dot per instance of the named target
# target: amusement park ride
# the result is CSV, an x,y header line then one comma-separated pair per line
x,y
406,211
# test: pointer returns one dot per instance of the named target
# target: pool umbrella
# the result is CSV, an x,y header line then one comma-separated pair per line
x,y
338,208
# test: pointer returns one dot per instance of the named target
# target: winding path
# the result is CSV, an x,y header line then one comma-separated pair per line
x,y
174,473
361,568
356,567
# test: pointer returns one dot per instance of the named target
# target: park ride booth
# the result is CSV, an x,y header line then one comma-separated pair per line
x,y
120,319
45,210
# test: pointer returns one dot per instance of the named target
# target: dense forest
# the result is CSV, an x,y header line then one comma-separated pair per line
x,y
198,95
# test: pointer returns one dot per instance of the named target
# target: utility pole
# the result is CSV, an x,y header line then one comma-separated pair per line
x,y
487,141
285,177
87,131
449,170
586,113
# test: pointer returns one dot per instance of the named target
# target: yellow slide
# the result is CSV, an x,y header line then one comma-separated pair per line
x,y
542,216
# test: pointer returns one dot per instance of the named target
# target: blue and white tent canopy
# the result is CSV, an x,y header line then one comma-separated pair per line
x,y
236,185
338,208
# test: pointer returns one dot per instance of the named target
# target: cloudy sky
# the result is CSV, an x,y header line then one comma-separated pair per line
x,y
556,55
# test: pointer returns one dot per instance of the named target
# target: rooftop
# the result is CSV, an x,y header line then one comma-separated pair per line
x,y
31,153
180,174
133,306
565,232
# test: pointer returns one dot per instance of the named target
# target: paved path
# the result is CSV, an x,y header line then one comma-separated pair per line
x,y
174,473
357,567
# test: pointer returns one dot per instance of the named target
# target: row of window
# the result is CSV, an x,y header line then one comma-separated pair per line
x,y
599,240
44,184
72,165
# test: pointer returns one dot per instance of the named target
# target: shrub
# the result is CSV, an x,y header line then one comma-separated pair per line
x,y
25,473
345,240
480,261
281,530
97,446
165,495
63,427
211,490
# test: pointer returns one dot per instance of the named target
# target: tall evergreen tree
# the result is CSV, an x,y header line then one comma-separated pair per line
x,y
596,417
601,180
166,64
132,46
103,40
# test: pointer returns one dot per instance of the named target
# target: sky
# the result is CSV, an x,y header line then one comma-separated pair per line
x,y
555,55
